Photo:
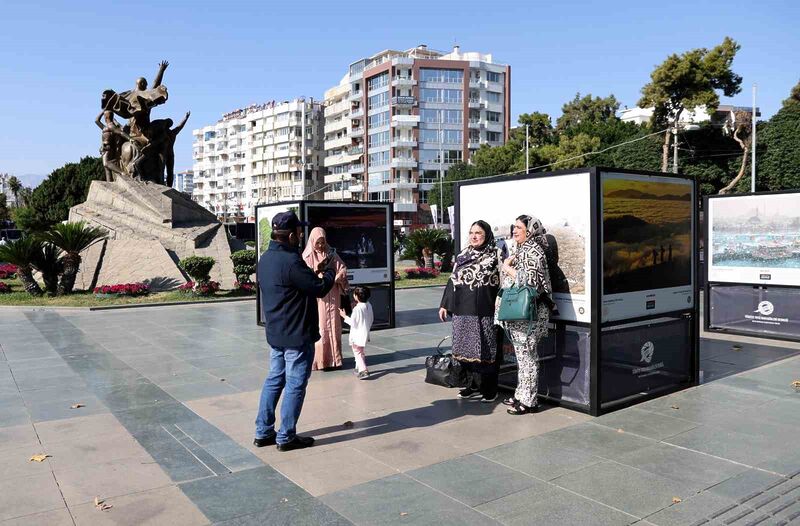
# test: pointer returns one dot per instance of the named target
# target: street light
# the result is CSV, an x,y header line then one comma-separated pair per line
x,y
684,127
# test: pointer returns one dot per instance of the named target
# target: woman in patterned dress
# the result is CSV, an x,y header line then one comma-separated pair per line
x,y
528,265
469,298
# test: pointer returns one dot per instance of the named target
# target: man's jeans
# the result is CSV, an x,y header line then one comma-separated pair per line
x,y
289,370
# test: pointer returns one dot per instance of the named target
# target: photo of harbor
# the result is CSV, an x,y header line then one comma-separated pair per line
x,y
761,233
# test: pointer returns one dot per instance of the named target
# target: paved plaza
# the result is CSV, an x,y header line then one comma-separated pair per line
x,y
168,397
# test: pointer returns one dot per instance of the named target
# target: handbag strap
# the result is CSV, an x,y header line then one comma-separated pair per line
x,y
438,347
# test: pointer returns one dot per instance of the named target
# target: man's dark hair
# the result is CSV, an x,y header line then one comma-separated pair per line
x,y
362,293
281,236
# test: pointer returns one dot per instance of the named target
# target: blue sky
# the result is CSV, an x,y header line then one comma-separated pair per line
x,y
57,57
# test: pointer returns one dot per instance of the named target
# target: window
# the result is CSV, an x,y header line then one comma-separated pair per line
x,y
379,196
209,135
379,139
491,76
423,196
377,178
494,136
379,158
441,95
379,119
429,176
492,96
429,156
446,116
447,136
378,81
453,156
441,75
378,101
429,135
492,116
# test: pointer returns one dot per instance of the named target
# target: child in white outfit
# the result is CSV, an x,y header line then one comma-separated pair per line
x,y
360,322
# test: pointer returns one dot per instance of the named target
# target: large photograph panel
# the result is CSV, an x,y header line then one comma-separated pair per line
x,y
563,205
755,239
647,245
360,234
264,215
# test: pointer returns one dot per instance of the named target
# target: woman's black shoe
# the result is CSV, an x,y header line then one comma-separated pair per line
x,y
468,393
520,409
297,442
510,401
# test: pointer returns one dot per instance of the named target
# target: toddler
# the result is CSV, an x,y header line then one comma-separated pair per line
x,y
360,322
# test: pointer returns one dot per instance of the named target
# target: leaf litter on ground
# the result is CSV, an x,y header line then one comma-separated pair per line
x,y
39,458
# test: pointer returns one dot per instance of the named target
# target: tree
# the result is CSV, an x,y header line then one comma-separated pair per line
x,y
740,127
4,213
64,188
570,152
72,238
794,96
422,243
587,109
687,82
778,167
540,130
23,253
15,185
25,195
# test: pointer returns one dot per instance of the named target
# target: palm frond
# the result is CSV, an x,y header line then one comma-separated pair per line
x,y
74,237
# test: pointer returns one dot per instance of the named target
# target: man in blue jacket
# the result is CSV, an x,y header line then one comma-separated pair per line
x,y
289,292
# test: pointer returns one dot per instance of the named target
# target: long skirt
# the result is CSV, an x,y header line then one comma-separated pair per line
x,y
328,350
527,356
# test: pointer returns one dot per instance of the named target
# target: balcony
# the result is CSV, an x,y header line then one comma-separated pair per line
x,y
475,123
337,178
475,103
474,144
357,113
405,120
332,144
404,162
405,207
338,195
356,168
357,132
404,101
403,82
404,143
356,150
355,95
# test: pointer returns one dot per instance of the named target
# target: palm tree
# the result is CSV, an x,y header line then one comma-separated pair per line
x,y
15,185
422,243
22,253
72,238
50,263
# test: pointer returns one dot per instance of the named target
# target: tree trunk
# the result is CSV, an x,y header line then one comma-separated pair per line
x,y
50,283
26,277
427,257
72,263
746,149
665,151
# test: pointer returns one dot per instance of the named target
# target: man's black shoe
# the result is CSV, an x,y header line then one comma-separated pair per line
x,y
297,442
267,441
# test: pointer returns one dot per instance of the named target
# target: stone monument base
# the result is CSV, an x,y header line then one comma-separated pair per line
x,y
150,228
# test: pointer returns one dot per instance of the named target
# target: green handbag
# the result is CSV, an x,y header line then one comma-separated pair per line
x,y
518,303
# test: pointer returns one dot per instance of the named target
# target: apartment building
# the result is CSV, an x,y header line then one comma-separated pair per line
x,y
184,182
399,119
263,153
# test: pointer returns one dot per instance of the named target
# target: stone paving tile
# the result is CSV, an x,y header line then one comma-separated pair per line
x,y
77,428
624,488
401,500
154,508
644,423
305,512
539,458
739,447
12,437
27,495
543,504
59,517
597,440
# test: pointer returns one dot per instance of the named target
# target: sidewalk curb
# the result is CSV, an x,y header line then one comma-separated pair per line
x,y
129,306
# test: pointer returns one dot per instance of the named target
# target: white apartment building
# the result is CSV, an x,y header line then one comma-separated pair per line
x,y
260,154
399,119
700,114
184,182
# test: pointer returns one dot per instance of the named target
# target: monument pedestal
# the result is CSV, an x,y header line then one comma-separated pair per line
x,y
150,228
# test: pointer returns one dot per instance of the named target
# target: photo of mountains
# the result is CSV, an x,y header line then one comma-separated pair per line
x,y
647,228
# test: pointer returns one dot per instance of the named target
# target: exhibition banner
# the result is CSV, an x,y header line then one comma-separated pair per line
x,y
754,239
773,311
563,204
637,359
647,245
264,215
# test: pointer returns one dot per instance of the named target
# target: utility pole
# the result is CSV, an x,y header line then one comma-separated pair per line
x,y
753,147
527,150
675,149
441,166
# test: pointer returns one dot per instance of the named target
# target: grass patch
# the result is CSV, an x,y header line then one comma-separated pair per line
x,y
438,281
19,298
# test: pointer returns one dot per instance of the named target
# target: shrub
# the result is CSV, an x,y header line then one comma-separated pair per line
x,y
421,273
198,267
124,289
244,264
8,271
5,288
207,288
247,286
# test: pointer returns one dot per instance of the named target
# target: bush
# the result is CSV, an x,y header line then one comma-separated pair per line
x,y
207,288
124,289
8,271
422,273
244,265
198,267
5,288
247,286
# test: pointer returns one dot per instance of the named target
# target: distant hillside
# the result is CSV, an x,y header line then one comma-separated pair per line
x,y
636,194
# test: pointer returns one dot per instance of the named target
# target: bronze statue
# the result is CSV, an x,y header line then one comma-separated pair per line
x,y
143,148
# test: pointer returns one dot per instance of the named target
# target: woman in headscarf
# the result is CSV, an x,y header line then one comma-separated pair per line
x,y
469,298
528,266
328,350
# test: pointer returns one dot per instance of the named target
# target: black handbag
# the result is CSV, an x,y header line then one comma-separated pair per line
x,y
442,369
